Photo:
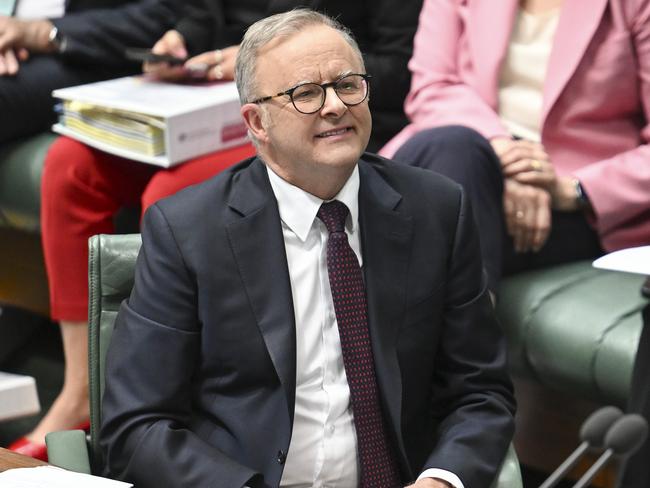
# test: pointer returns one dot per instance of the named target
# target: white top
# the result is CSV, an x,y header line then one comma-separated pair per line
x,y
523,73
40,9
323,449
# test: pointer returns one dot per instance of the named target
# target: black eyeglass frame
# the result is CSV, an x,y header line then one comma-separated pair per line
x,y
324,86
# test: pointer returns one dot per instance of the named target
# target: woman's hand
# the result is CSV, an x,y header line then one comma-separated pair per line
x,y
526,162
214,65
173,44
527,212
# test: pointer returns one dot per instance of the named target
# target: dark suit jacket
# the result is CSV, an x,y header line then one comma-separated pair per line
x,y
384,30
201,369
97,32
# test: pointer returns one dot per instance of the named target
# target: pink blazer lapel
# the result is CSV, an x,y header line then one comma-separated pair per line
x,y
577,25
488,36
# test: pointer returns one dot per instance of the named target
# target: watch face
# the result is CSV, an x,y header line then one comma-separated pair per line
x,y
56,40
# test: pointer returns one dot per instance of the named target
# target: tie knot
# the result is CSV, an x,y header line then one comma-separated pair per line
x,y
333,215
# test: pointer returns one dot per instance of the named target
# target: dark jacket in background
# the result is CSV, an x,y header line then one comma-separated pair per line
x,y
98,31
384,30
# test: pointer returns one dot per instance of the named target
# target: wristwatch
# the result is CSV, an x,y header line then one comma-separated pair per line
x,y
581,196
56,40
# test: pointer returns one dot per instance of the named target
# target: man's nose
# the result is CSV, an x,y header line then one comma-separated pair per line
x,y
333,104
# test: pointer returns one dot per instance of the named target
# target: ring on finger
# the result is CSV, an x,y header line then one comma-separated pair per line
x,y
519,214
218,72
536,165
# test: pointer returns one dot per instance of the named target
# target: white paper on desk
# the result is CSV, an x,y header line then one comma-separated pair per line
x,y
52,477
633,260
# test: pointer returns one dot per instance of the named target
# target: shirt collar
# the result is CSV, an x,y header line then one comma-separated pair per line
x,y
298,208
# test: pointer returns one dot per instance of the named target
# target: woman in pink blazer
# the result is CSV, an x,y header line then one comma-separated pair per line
x,y
584,184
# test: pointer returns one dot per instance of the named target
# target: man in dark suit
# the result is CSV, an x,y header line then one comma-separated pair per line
x,y
85,44
321,313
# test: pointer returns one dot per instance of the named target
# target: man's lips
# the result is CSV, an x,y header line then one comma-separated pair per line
x,y
334,132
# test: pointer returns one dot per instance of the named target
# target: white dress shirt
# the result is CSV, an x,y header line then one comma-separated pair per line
x,y
323,449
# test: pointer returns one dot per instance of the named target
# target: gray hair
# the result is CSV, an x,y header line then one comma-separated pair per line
x,y
279,25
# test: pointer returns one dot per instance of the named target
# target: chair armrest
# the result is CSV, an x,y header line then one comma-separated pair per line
x,y
68,449
509,475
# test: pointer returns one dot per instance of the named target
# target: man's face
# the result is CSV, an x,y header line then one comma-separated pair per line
x,y
303,148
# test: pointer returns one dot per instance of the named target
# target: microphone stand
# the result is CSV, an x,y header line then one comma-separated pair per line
x,y
593,470
563,468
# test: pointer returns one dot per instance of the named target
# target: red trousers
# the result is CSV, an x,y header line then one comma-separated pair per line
x,y
81,191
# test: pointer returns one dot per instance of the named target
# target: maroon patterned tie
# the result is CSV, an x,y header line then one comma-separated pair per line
x,y
378,465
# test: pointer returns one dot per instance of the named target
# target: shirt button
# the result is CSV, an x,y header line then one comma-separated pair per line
x,y
331,428
281,457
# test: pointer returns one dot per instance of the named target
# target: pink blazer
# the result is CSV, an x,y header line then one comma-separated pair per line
x,y
596,111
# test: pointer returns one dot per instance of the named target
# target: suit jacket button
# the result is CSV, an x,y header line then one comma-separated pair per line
x,y
282,456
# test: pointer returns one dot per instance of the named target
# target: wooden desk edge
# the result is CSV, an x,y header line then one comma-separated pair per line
x,y
10,459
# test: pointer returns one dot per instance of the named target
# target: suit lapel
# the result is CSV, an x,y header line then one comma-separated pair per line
x,y
489,34
258,246
577,25
385,242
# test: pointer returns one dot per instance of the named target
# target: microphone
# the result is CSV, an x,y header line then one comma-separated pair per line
x,y
592,434
622,439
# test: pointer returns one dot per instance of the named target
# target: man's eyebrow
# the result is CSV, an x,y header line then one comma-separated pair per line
x,y
340,74
302,82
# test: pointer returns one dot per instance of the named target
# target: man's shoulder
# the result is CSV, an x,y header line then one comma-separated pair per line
x,y
216,186
213,194
408,179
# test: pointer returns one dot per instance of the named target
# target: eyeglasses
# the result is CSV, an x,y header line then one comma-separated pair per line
x,y
309,98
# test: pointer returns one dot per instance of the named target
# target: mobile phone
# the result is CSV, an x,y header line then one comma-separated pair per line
x,y
139,54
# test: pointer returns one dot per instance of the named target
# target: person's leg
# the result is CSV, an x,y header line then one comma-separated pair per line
x,y
466,157
71,407
26,103
81,190
571,239
168,182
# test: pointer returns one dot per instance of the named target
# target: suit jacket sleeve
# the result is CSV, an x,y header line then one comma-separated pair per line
x,y
151,360
618,186
439,96
472,392
100,36
200,24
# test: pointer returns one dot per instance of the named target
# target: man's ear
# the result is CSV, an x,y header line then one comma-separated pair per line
x,y
253,118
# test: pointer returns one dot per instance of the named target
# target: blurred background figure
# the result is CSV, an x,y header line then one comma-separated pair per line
x,y
52,44
212,29
540,109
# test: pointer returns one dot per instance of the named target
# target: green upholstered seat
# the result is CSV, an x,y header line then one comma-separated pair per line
x,y
111,273
21,165
574,328
111,265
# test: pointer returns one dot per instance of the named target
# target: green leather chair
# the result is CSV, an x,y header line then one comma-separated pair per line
x,y
21,165
574,328
111,269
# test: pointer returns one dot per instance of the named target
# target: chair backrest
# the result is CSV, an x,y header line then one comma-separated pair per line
x,y
111,267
